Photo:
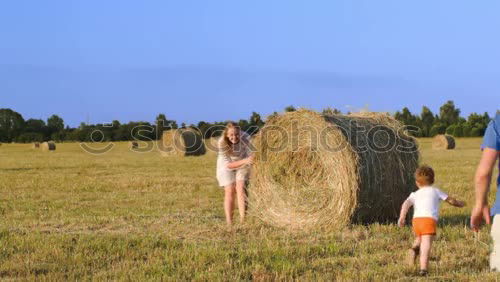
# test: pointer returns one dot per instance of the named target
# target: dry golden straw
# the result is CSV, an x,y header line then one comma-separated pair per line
x,y
324,173
443,142
182,142
48,146
36,145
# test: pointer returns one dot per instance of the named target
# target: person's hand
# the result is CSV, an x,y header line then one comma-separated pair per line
x,y
401,222
250,160
479,213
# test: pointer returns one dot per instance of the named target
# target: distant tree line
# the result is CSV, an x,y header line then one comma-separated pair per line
x,y
14,128
447,121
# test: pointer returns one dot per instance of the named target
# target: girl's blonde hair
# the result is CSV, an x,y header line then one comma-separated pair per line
x,y
226,146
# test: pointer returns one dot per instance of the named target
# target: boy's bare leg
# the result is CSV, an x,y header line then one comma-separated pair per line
x,y
229,192
242,197
425,251
413,251
416,244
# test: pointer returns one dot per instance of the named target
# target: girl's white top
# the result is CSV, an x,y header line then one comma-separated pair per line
x,y
241,150
426,202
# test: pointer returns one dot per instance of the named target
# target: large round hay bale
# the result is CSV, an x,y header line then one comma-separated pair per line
x,y
182,142
36,145
443,142
48,146
212,145
321,172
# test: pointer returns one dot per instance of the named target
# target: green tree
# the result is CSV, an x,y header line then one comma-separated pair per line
x,y
256,120
427,121
244,125
255,123
160,125
448,114
58,136
204,127
407,118
11,125
55,123
28,137
329,111
290,109
34,125
455,130
478,122
436,129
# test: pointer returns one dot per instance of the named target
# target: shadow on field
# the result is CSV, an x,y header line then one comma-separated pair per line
x,y
454,220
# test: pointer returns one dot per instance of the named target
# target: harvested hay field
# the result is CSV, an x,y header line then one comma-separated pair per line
x,y
443,142
136,216
182,142
48,146
134,145
316,172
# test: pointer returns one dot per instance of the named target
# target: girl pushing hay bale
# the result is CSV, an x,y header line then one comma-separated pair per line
x,y
48,146
233,168
443,142
182,142
322,172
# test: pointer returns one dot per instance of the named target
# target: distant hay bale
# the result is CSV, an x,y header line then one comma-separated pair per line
x,y
182,142
48,146
36,145
315,172
443,142
134,145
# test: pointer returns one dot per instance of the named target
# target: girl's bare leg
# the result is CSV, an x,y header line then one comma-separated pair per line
x,y
242,197
425,251
229,192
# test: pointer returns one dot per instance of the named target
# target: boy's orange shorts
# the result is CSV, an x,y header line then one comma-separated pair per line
x,y
424,226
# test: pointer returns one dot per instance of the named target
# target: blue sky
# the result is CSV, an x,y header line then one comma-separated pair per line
x,y
219,60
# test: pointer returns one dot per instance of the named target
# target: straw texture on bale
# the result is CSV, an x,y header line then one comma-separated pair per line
x,y
36,145
316,172
182,142
48,146
443,142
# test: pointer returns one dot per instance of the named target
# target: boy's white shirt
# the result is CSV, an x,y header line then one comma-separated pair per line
x,y
426,202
